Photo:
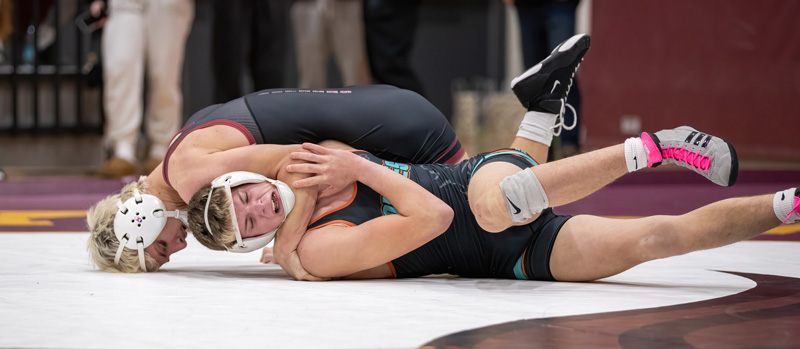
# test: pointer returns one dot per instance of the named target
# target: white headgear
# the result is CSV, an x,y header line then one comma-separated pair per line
x,y
139,221
237,178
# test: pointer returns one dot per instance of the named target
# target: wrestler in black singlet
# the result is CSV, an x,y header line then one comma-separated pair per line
x,y
521,252
392,123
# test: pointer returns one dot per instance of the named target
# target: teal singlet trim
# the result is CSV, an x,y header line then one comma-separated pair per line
x,y
517,152
518,270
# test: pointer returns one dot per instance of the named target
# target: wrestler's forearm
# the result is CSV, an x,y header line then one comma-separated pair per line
x,y
335,251
292,230
204,155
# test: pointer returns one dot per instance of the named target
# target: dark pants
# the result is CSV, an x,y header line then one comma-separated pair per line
x,y
390,26
543,25
264,23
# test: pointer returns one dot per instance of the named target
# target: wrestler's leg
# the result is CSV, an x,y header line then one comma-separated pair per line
x,y
563,181
590,247
503,195
537,150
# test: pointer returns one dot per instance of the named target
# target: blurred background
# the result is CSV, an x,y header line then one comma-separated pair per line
x,y
731,67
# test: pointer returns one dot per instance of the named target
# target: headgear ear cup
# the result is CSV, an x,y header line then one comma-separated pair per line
x,y
137,224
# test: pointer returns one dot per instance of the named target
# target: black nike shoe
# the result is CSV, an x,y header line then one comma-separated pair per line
x,y
545,86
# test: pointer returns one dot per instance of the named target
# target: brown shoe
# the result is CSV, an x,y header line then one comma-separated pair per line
x,y
116,168
150,165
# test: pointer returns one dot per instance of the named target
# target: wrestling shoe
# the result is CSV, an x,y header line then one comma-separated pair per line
x,y
712,157
116,168
544,87
150,165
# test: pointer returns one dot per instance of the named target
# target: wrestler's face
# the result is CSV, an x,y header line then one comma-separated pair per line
x,y
172,239
259,209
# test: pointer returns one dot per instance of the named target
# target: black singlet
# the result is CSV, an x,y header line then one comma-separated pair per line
x,y
392,123
520,252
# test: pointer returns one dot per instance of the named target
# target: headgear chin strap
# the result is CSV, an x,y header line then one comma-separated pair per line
x,y
237,178
139,221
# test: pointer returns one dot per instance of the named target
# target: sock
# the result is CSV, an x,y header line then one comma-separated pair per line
x,y
635,154
538,127
783,204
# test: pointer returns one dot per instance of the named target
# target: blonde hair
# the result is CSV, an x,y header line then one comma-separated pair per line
x,y
219,218
103,243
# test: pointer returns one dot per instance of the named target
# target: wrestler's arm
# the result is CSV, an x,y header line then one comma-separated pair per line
x,y
336,251
291,231
196,161
208,153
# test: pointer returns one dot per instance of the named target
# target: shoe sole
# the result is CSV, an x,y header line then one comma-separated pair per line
x,y
735,167
566,45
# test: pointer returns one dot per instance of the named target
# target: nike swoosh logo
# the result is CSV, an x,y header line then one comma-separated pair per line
x,y
554,86
783,197
514,206
635,162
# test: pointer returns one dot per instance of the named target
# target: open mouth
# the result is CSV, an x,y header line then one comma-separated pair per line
x,y
275,207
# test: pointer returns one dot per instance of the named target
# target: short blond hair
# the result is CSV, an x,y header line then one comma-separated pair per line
x,y
103,243
219,218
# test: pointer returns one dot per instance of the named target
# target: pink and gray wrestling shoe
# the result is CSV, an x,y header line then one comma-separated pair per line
x,y
710,156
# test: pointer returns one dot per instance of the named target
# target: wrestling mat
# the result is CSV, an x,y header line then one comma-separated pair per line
x,y
741,296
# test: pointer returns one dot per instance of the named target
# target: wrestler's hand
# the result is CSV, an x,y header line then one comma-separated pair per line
x,y
266,255
332,169
295,269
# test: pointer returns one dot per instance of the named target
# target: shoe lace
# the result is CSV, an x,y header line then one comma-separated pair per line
x,y
689,158
795,209
560,120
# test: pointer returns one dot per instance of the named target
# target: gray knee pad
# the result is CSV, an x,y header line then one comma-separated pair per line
x,y
524,195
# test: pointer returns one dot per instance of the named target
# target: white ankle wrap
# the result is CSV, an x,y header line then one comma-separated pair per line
x,y
538,127
635,154
524,194
783,204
